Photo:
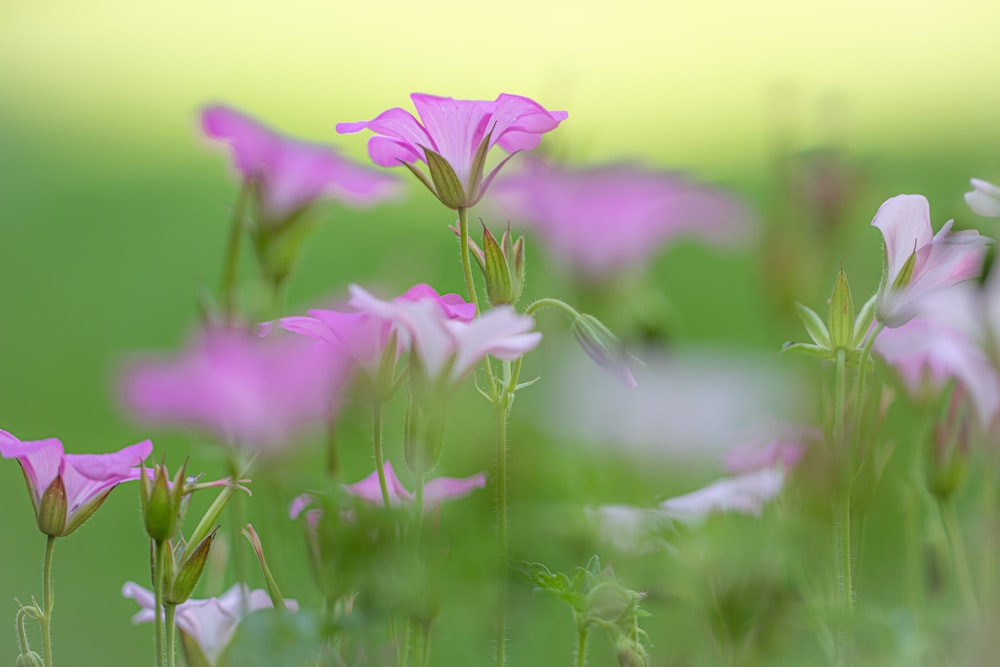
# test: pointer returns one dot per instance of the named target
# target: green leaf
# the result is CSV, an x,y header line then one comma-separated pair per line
x,y
824,353
814,325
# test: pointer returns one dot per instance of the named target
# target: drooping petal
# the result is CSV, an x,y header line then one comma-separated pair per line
x,y
905,223
370,490
745,494
984,198
40,461
441,489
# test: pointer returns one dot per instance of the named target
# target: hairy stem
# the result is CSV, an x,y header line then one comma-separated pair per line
x,y
377,446
47,600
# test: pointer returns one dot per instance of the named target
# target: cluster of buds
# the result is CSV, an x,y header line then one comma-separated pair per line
x,y
503,266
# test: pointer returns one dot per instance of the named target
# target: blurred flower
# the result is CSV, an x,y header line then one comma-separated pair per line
x,y
436,491
984,198
453,138
291,174
779,445
250,391
207,626
66,489
363,336
628,528
916,263
745,494
445,345
615,218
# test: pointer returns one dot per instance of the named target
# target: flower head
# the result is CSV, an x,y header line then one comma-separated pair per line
x,y
447,349
252,392
436,491
206,625
745,494
984,198
453,138
66,489
609,219
289,173
917,263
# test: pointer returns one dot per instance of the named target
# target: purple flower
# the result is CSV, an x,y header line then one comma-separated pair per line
x,y
606,220
66,489
984,198
453,138
250,391
291,174
362,336
917,263
206,626
442,345
745,494
436,491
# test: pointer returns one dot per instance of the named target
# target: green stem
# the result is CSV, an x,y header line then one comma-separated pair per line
x,y
845,585
47,600
233,253
22,636
168,622
859,389
463,236
159,559
582,633
549,302
839,418
236,527
956,541
379,461
502,410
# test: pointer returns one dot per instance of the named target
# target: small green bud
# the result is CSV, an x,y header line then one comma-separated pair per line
x,y
52,509
179,589
603,347
841,316
29,659
609,602
499,284
630,653
157,505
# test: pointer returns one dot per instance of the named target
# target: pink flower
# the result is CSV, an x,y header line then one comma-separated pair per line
x,y
362,336
984,198
444,345
252,392
938,261
66,489
206,625
745,494
436,491
778,445
455,136
606,220
291,174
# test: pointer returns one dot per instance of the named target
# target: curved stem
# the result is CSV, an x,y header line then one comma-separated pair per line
x,y
22,636
47,600
953,529
377,445
550,302
168,622
463,236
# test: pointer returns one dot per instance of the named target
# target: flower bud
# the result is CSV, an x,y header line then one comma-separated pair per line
x,y
499,282
603,347
609,602
52,509
841,316
29,659
182,584
630,653
161,503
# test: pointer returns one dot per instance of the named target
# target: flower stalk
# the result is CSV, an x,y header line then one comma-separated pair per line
x,y
45,618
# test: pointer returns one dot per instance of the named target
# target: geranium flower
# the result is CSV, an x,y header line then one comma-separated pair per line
x,y
289,173
436,491
443,345
745,494
206,626
453,138
917,263
775,445
984,198
609,219
66,489
362,336
250,391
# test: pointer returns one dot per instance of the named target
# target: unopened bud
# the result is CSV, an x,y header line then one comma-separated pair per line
x,y
630,653
160,503
499,283
603,347
841,317
609,602
29,659
180,588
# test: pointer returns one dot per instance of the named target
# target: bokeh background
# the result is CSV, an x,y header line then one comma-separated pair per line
x,y
113,210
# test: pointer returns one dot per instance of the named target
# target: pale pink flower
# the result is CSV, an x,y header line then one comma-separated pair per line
x,y
363,336
444,345
940,260
206,625
289,173
86,479
460,132
744,494
610,219
252,392
984,198
774,445
436,491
